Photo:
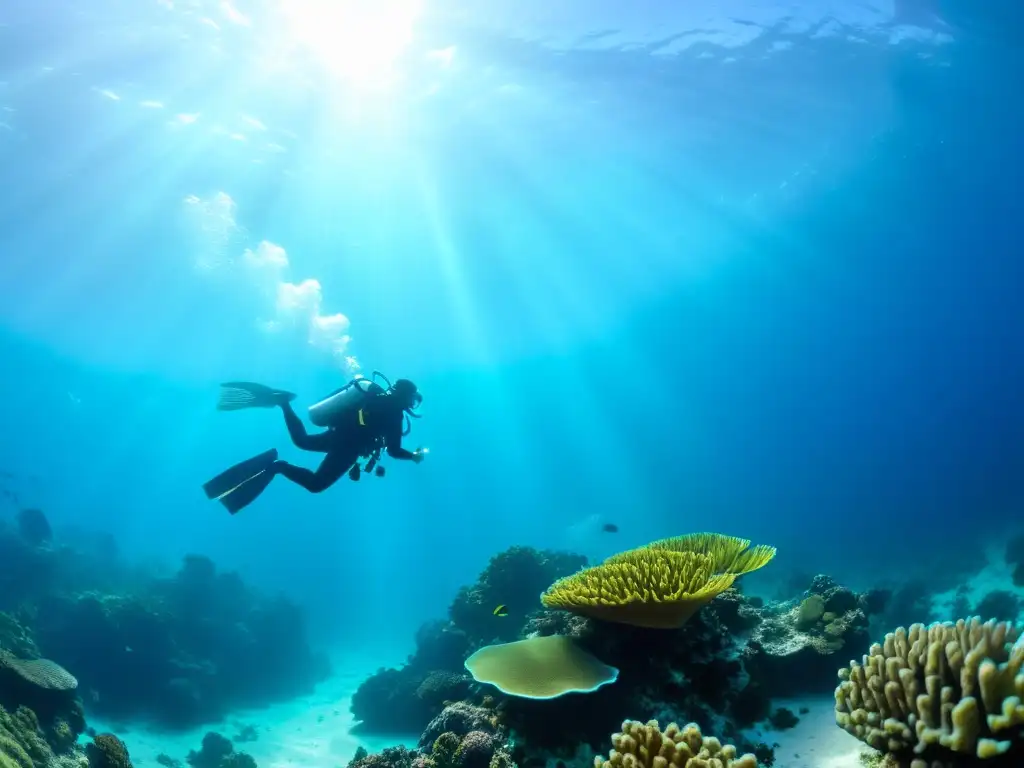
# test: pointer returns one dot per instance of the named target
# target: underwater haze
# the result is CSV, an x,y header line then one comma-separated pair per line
x,y
725,264
738,266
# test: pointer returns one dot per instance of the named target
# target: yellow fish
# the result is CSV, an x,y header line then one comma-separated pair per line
x,y
501,610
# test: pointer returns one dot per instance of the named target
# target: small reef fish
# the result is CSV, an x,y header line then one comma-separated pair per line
x,y
610,528
501,610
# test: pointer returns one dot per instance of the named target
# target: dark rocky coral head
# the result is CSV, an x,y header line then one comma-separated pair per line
x,y
108,751
33,527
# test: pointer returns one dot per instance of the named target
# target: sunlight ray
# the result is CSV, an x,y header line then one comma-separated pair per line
x,y
357,41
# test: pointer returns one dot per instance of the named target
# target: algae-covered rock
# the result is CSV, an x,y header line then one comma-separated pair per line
x,y
107,751
21,742
810,612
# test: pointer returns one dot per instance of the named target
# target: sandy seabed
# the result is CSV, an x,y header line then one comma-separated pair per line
x,y
316,732
311,732
816,741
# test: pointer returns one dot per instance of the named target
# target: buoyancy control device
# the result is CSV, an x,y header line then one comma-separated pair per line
x,y
346,404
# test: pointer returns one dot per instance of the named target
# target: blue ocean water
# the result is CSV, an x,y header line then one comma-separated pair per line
x,y
745,266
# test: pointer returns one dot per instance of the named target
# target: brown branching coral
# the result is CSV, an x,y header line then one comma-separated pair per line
x,y
647,746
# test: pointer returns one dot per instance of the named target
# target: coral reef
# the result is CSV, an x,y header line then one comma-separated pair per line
x,y
796,644
460,718
45,692
946,695
177,650
25,743
719,669
107,751
21,744
449,749
392,757
694,673
405,700
513,578
181,650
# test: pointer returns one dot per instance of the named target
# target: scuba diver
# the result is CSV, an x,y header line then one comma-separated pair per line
x,y
362,420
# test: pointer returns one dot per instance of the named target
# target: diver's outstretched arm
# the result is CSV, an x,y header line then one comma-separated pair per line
x,y
393,440
320,442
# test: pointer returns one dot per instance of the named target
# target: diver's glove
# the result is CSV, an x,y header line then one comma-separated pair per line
x,y
419,454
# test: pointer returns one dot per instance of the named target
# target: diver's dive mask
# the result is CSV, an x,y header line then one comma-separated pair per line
x,y
410,396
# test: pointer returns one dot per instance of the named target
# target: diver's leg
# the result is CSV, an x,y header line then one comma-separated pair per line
x,y
301,438
335,464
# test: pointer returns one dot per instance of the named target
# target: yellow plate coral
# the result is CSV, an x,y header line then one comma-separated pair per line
x,y
731,554
656,588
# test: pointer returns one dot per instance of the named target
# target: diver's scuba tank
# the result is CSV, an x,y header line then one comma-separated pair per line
x,y
332,410
347,402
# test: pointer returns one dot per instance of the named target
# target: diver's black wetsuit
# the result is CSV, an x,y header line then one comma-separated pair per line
x,y
343,445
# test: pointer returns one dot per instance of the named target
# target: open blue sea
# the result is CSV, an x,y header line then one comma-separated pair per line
x,y
746,266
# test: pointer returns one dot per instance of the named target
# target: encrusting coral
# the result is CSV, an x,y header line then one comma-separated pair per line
x,y
460,718
939,695
474,750
642,745
21,742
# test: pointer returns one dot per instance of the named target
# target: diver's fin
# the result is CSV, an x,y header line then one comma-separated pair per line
x,y
231,478
245,494
236,395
